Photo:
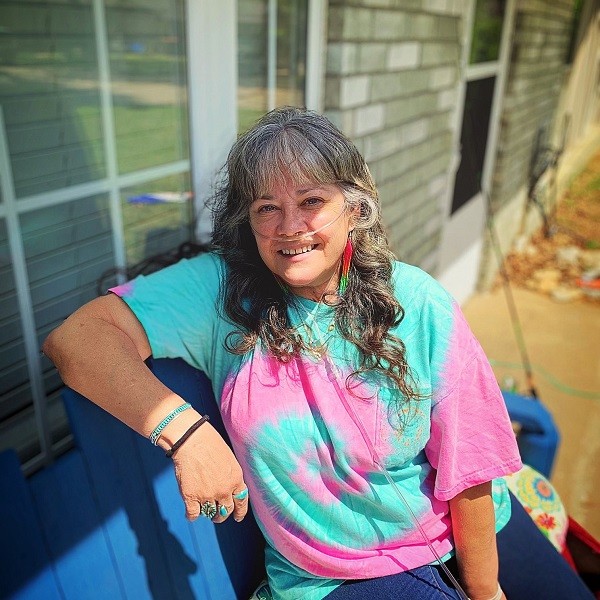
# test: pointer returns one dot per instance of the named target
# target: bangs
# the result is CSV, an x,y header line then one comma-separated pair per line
x,y
287,154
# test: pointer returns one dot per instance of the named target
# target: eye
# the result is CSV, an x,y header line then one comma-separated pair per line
x,y
313,202
266,209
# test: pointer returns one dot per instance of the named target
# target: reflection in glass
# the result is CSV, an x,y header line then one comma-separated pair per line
x,y
271,58
473,140
67,248
148,82
15,391
49,94
157,217
487,31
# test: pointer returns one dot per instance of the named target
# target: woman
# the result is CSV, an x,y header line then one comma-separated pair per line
x,y
367,423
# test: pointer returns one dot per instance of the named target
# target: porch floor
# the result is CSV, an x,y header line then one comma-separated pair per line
x,y
563,343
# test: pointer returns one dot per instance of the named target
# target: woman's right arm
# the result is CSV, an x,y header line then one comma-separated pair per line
x,y
99,352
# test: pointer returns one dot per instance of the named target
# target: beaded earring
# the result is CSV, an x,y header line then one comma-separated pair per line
x,y
346,260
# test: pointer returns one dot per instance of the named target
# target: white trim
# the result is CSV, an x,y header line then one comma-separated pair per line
x,y
272,54
496,112
62,195
212,83
26,313
457,118
461,241
461,231
482,70
108,135
153,173
100,186
315,53
460,277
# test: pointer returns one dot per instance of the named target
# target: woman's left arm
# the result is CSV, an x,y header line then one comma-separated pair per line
x,y
473,524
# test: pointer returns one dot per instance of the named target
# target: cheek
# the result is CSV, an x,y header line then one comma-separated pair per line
x,y
263,250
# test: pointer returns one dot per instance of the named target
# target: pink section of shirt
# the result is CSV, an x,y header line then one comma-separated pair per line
x,y
471,439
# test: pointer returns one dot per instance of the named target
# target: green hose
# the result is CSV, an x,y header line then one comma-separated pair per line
x,y
550,379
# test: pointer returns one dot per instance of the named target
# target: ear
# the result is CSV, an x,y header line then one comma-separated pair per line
x,y
354,217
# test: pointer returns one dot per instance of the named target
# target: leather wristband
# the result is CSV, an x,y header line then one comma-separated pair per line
x,y
186,435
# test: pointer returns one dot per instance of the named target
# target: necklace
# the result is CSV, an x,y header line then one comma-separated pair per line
x,y
315,339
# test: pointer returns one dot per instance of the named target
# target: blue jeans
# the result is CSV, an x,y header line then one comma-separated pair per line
x,y
530,569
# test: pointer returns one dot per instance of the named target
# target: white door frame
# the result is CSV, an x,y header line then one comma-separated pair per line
x,y
462,236
212,84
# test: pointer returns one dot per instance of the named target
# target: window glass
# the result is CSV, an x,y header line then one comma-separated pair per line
x,y
67,248
157,217
15,391
148,82
291,52
473,140
276,77
487,31
252,61
49,94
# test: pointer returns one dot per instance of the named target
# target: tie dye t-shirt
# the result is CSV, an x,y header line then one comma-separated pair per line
x,y
306,444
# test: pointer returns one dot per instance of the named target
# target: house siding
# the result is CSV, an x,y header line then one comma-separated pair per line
x,y
537,64
536,72
391,85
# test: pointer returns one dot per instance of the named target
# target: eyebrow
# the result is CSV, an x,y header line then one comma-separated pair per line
x,y
298,193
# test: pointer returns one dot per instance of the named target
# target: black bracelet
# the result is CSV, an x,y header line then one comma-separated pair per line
x,y
186,435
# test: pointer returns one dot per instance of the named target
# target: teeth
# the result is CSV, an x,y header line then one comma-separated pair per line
x,y
297,250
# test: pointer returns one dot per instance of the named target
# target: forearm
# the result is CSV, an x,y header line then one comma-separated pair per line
x,y
100,351
473,524
101,355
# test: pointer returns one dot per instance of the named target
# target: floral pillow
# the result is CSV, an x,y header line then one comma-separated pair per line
x,y
542,502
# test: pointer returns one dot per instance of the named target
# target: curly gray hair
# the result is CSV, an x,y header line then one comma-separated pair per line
x,y
304,146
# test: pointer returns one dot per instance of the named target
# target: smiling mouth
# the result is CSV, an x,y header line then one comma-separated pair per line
x,y
294,251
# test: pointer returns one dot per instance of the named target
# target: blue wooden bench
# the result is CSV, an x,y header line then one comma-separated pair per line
x,y
106,519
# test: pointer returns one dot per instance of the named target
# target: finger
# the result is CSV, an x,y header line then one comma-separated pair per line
x,y
224,511
192,509
240,503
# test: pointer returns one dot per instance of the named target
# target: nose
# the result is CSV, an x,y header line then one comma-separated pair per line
x,y
292,222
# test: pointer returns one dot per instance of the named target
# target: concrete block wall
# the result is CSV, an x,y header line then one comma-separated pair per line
x,y
539,50
391,84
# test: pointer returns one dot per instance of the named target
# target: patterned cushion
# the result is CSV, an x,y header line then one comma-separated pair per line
x,y
542,502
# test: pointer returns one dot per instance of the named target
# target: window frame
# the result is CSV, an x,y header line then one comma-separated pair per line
x,y
211,54
12,207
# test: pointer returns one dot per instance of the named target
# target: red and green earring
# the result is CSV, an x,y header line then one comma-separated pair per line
x,y
346,260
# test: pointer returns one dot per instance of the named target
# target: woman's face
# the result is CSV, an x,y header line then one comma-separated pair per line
x,y
309,265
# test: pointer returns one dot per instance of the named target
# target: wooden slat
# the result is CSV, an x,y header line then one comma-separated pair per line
x,y
126,505
73,531
25,566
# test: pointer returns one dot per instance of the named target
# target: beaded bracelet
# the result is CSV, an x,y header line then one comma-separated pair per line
x,y
174,413
186,435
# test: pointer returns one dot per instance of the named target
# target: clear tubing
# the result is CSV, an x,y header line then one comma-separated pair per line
x,y
377,462
297,237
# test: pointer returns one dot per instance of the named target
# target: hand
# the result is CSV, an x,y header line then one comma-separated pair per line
x,y
207,471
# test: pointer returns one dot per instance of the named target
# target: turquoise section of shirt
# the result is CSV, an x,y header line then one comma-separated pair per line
x,y
179,309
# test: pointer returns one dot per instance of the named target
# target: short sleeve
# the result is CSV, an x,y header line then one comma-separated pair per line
x,y
177,306
471,439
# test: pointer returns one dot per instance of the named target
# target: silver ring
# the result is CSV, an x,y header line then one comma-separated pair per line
x,y
208,509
